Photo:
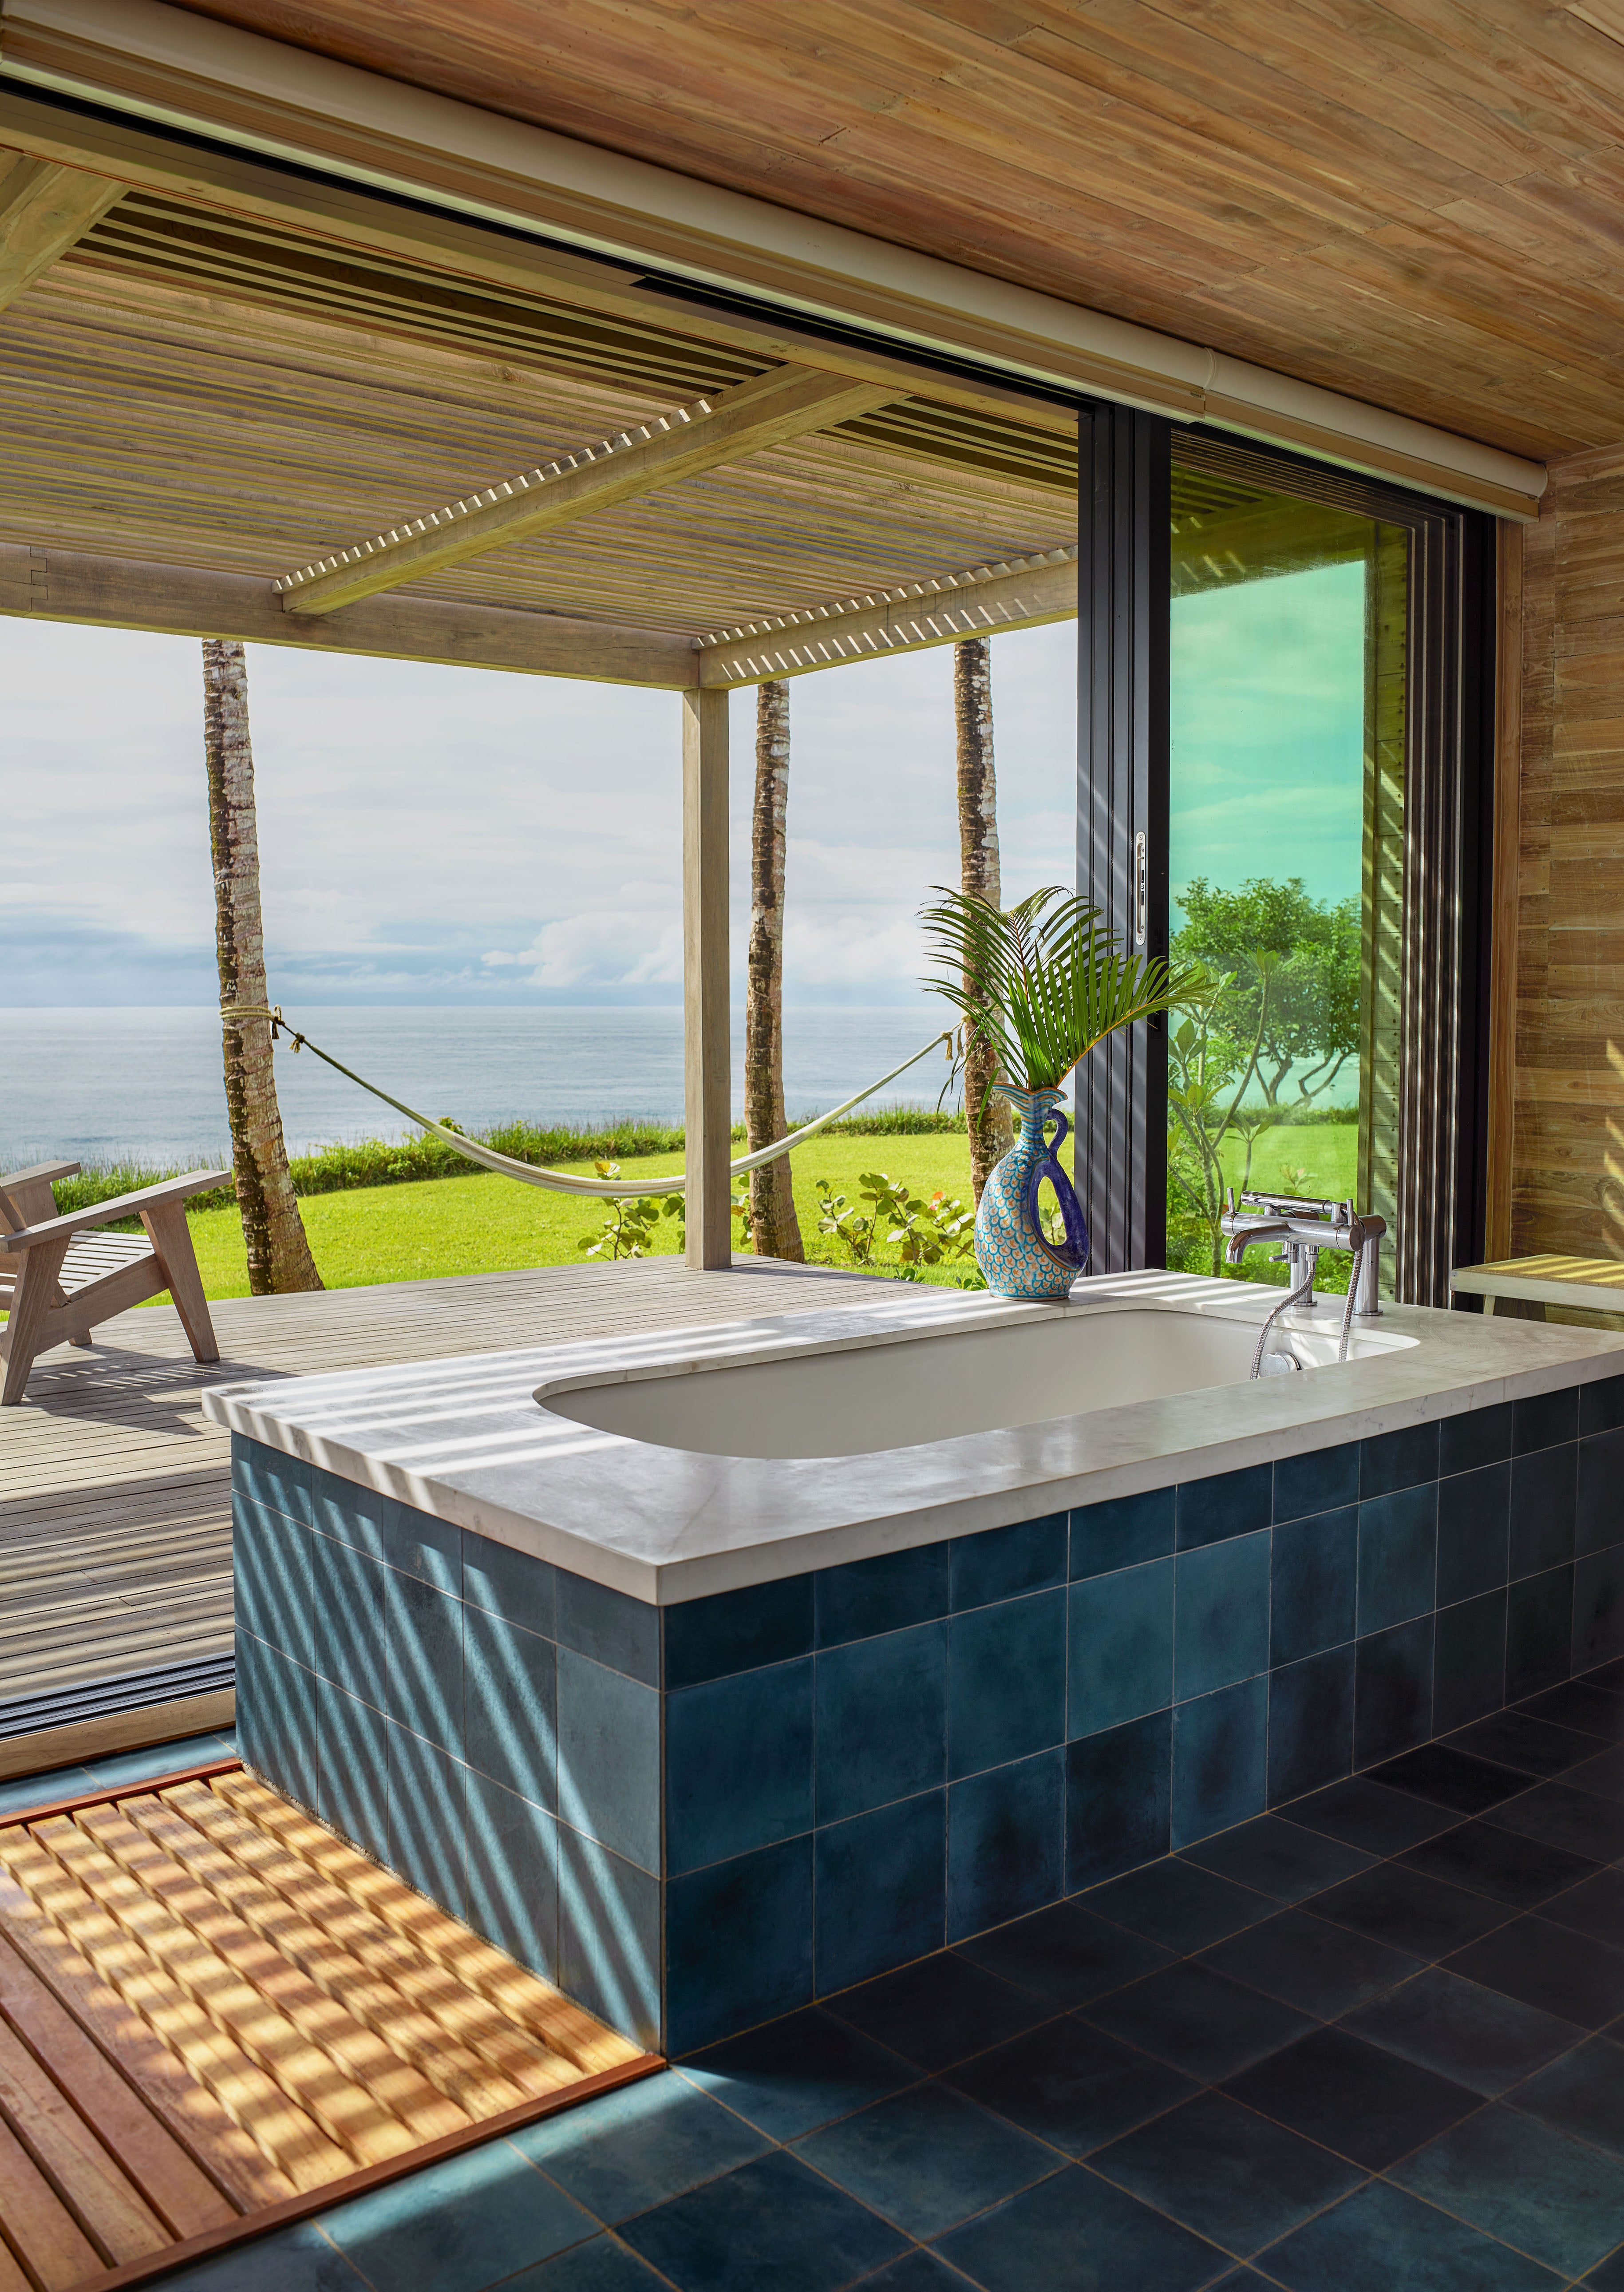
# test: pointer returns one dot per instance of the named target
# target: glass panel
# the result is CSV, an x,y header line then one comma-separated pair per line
x,y
1286,861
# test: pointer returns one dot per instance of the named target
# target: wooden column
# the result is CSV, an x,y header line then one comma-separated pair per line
x,y
705,976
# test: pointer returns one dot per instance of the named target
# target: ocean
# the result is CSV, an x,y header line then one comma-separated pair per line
x,y
145,1085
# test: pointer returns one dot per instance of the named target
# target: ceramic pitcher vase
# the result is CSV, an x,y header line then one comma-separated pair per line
x,y
1015,1256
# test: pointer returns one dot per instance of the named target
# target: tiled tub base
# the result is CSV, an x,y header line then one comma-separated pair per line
x,y
697,1818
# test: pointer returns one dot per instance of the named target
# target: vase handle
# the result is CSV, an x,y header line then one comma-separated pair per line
x,y
1075,1253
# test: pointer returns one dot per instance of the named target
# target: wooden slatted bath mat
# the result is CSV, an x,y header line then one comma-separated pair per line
x,y
216,2017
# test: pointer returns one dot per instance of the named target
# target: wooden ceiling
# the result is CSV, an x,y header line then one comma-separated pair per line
x,y
1421,203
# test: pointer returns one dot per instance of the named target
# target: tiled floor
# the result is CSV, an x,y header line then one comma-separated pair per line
x,y
1364,2048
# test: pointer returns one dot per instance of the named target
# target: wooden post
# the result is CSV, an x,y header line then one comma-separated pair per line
x,y
705,1045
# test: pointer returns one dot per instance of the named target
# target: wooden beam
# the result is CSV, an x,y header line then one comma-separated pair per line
x,y
978,604
61,585
770,410
705,1044
44,209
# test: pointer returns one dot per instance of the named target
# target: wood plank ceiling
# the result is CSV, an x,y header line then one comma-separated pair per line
x,y
1418,203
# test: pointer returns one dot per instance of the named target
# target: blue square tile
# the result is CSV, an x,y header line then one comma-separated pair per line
x,y
269,1476
1199,2020
1118,1800
346,1609
881,1720
804,2071
627,2151
737,1631
297,2259
419,1543
422,1630
1390,1461
1006,1839
352,1794
1598,1608
1468,1674
1539,1631
1311,1724
610,1758
621,1632
772,2222
459,2225
1180,1905
1398,1557
271,1566
1225,2173
738,1764
881,1883
1071,2084
609,1937
1064,1954
1006,1683
1278,1857
1393,1691
1515,2178
1324,1481
1314,1581
1458,2030
918,2271
1228,1504
927,2159
882,1594
601,2265
425,1820
1382,2236
1000,1563
1474,1533
1544,1507
1124,1532
1598,1517
1474,1438
510,1705
347,1511
1119,1647
512,1850
1221,1631
1601,1405
1220,1759
738,1944
512,1584
1075,2233
276,1717
940,2010
1544,1420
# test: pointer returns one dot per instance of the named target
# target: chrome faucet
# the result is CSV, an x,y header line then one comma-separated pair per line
x,y
1304,1228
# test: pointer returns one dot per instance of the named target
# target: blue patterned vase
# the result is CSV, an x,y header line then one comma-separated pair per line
x,y
1015,1256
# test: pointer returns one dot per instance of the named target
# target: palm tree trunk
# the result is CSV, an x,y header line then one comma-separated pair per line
x,y
774,1226
987,1120
278,1251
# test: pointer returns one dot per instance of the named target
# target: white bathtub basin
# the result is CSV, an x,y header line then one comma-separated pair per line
x,y
898,1393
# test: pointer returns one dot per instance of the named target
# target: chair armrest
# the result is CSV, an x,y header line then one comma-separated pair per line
x,y
45,1174
122,1205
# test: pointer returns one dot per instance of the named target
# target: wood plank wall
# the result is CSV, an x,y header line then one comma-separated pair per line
x,y
1567,1146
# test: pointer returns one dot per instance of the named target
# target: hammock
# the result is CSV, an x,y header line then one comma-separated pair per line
x,y
560,1181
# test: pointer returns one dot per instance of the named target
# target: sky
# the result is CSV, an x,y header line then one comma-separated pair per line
x,y
452,836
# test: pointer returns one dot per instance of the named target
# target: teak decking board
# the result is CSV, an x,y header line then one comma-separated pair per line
x,y
181,2066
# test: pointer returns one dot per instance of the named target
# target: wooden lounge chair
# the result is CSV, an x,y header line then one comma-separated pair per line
x,y
61,1276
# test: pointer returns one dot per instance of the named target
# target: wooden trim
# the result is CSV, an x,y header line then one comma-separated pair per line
x,y
1504,896
705,980
144,1788
53,1747
44,209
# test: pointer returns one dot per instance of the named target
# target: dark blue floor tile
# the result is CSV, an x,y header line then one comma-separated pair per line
x,y
1181,1907
602,2264
1320,1968
1609,2277
1518,2179
927,2158
1582,2093
1547,1965
628,2150
1198,2021
294,2260
1532,1746
1502,1864
1366,2104
1452,1778
882,1890
1381,2239
1278,1857
1461,2030
1602,1776
1561,1816
1072,2086
790,2076
1076,2234
773,2222
1589,1710
1595,1907
45,1790
1226,2173
918,2271
940,2010
459,2225
1064,1955
1422,1916
1370,1816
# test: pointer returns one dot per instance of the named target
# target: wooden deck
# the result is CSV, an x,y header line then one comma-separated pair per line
x,y
115,1491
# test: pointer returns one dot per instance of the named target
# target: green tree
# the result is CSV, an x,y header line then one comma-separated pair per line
x,y
1309,1016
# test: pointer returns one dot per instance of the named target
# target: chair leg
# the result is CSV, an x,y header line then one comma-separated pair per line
x,y
172,1241
31,1302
